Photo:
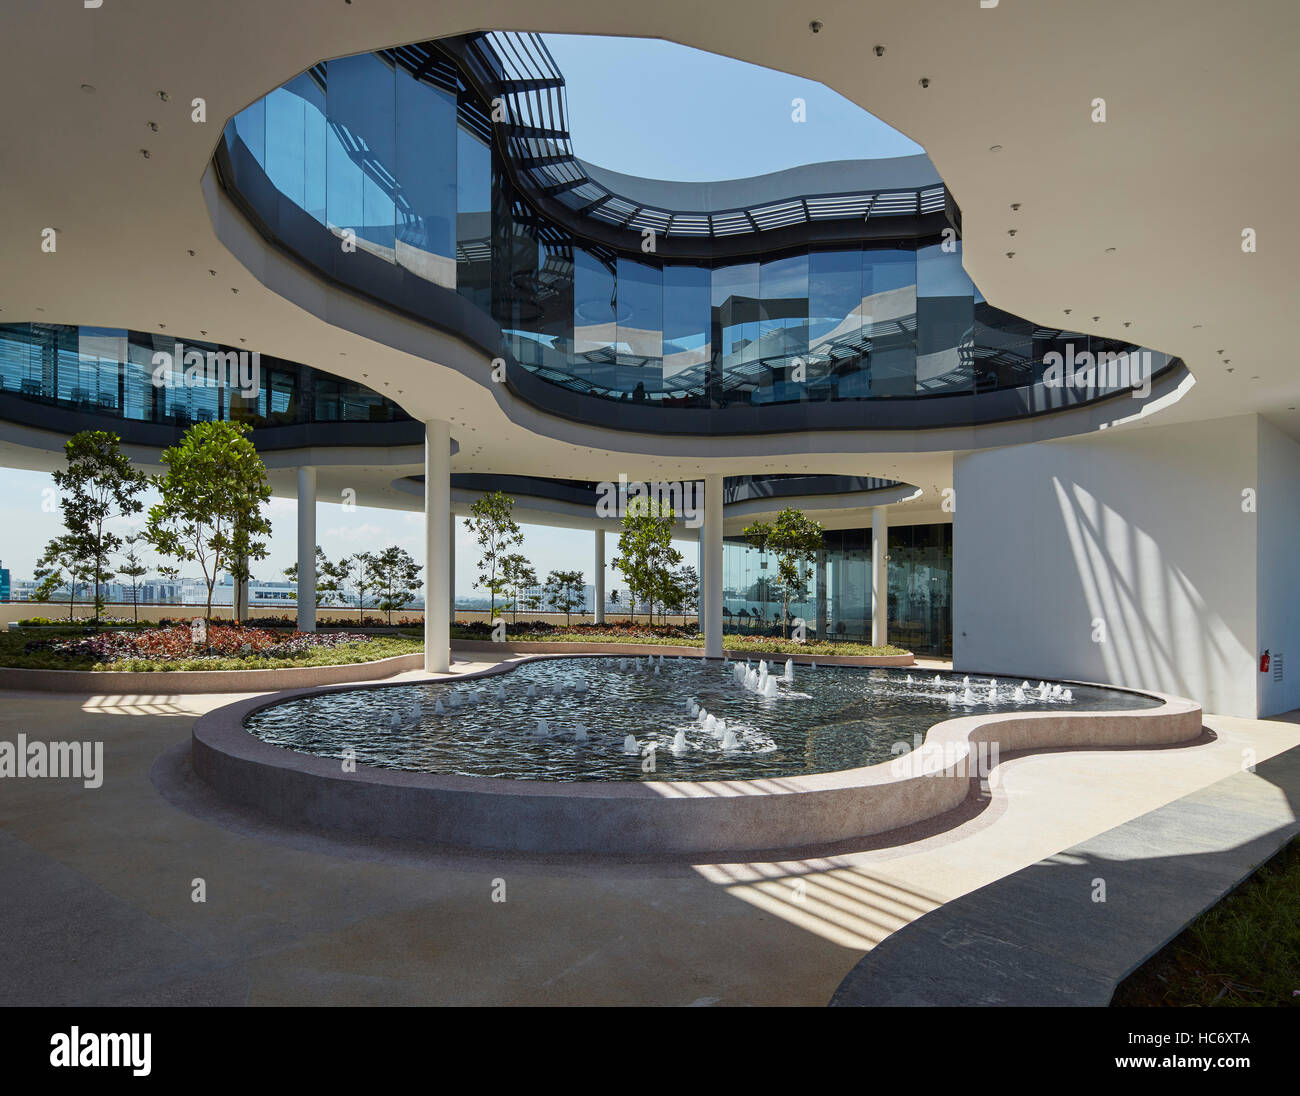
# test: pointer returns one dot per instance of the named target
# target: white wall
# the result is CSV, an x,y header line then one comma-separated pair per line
x,y
1279,567
1141,529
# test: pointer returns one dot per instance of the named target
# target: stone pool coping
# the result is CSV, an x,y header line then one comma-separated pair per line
x,y
204,681
644,818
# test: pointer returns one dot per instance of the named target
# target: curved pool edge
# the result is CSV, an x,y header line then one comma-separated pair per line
x,y
644,818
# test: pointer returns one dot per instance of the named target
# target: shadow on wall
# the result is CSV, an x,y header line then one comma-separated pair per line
x,y
1145,617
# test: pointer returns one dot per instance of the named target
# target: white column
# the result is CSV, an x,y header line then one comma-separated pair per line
x,y
598,581
451,570
879,576
711,603
306,549
437,532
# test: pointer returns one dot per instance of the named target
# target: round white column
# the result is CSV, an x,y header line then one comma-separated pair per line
x,y
711,602
437,534
306,549
598,580
879,576
451,569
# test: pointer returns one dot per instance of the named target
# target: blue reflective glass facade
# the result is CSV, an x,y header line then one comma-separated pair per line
x,y
111,372
836,601
402,166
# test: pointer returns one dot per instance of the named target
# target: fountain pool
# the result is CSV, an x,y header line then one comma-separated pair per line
x,y
570,719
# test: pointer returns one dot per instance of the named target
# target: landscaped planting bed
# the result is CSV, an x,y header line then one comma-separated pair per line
x,y
172,648
663,635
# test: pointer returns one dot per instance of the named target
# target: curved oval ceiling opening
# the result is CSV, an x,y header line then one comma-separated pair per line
x,y
650,108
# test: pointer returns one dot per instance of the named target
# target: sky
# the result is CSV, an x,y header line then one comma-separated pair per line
x,y
637,106
642,106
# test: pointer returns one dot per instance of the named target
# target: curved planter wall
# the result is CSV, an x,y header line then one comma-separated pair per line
x,y
204,681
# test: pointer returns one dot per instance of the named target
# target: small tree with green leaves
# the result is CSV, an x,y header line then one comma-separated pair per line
x,y
64,560
133,568
98,484
492,523
212,495
396,576
517,575
795,539
329,576
646,556
354,572
682,593
565,592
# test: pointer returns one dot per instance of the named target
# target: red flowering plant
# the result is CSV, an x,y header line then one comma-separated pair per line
x,y
174,644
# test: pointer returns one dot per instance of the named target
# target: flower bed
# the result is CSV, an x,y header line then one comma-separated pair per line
x,y
229,647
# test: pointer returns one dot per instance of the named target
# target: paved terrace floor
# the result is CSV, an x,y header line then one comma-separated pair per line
x,y
97,895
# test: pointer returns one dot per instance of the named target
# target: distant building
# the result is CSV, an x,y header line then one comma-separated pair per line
x,y
4,584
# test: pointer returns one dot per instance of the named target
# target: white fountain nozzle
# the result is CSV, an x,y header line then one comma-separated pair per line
x,y
630,746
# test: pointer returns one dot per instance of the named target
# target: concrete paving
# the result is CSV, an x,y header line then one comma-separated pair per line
x,y
1068,929
98,908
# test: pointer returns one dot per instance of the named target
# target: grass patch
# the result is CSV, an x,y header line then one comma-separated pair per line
x,y
669,636
13,653
1243,952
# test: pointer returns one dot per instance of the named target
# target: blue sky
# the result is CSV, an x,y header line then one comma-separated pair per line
x,y
656,109
638,106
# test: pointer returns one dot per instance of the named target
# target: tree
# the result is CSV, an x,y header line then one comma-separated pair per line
x,y
134,569
496,531
613,598
62,561
795,539
646,555
329,576
396,576
97,485
517,575
683,591
212,497
565,591
355,571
